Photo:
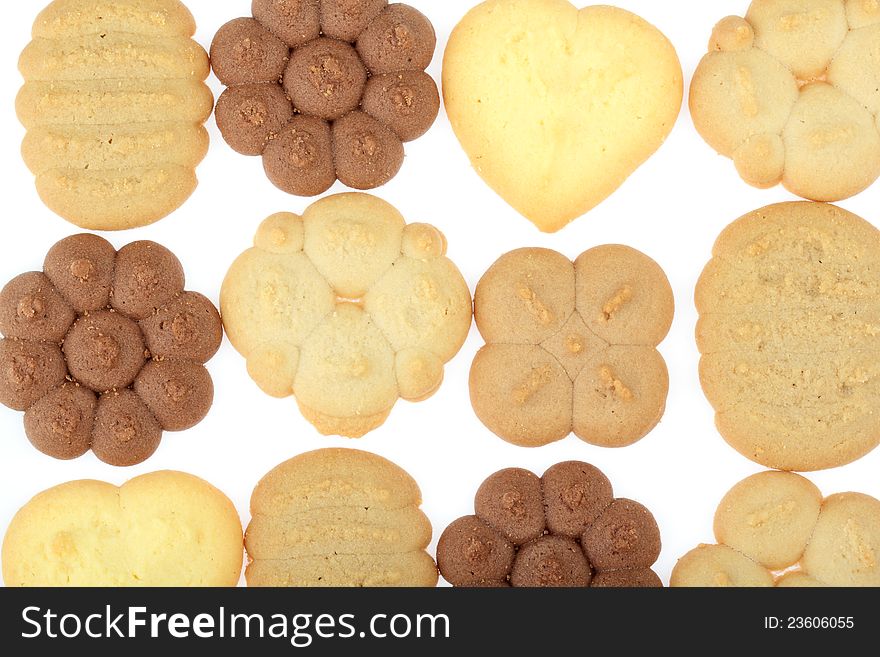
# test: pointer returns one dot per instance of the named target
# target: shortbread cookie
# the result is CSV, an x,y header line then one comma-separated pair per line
x,y
113,103
348,308
160,529
790,94
326,90
787,312
338,517
104,350
555,106
570,347
776,523
563,529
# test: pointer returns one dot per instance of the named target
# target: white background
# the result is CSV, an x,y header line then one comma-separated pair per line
x,y
672,208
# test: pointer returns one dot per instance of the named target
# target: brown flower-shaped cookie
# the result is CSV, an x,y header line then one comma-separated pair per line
x,y
325,89
104,350
563,529
570,346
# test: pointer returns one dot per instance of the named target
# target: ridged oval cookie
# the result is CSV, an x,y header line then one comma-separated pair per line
x,y
788,321
159,529
114,102
338,517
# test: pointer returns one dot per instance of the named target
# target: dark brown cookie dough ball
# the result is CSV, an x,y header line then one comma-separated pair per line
x,y
511,502
104,350
346,19
399,39
147,277
639,578
300,159
249,115
625,536
470,553
575,494
188,328
29,371
551,561
293,21
60,424
178,393
32,309
406,102
367,153
125,433
81,268
325,78
243,51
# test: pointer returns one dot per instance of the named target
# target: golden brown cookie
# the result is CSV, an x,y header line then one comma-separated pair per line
x,y
114,102
160,529
790,94
570,346
788,313
338,517
348,308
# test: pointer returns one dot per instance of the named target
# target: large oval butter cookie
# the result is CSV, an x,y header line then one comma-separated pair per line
x,y
789,321
556,107
113,103
348,308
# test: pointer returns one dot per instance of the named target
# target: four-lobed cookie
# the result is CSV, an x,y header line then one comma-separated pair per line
x,y
790,94
326,90
774,528
114,105
160,529
347,308
562,529
555,106
571,346
788,318
104,350
338,517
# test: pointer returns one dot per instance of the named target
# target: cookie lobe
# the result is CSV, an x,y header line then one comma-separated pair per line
x,y
28,371
104,351
400,39
32,309
407,102
81,269
243,51
346,19
60,424
511,501
551,561
625,536
325,78
470,553
293,21
638,578
188,328
125,432
178,393
300,159
575,495
147,277
368,154
250,115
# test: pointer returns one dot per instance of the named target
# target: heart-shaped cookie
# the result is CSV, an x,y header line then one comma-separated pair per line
x,y
557,106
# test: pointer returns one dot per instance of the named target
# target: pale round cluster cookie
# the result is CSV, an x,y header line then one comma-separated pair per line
x,y
571,346
338,517
788,311
774,528
790,94
326,89
160,529
114,103
562,529
104,350
347,308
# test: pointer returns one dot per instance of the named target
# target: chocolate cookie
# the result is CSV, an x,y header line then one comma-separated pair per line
x,y
105,350
326,90
563,529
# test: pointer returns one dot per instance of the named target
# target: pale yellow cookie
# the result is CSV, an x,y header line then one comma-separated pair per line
x,y
338,517
114,102
555,106
160,529
347,308
718,566
798,579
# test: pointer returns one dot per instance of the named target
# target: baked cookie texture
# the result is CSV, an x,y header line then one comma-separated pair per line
x,y
775,529
555,106
562,529
790,94
104,350
160,529
338,517
788,313
326,89
571,346
347,308
114,105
